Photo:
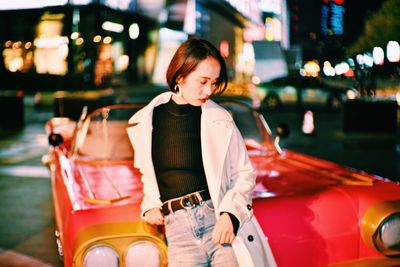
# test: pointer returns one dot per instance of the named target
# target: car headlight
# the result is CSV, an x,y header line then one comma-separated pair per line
x,y
390,231
101,256
143,253
380,227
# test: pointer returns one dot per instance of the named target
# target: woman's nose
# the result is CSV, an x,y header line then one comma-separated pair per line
x,y
208,89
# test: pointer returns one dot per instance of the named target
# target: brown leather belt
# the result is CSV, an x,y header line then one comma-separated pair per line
x,y
188,201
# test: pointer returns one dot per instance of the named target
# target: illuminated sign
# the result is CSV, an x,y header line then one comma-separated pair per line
x,y
26,4
332,13
337,13
273,29
189,23
324,19
272,6
151,8
80,2
118,4
8,5
248,8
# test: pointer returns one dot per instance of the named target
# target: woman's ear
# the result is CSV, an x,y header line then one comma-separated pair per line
x,y
179,79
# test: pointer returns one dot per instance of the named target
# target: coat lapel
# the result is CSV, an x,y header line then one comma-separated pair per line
x,y
143,120
216,132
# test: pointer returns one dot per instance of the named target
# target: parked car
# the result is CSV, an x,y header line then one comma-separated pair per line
x,y
313,212
97,192
303,92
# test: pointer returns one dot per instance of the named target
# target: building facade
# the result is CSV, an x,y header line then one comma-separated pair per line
x,y
80,44
70,46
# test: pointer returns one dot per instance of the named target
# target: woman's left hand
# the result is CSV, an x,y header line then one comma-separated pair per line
x,y
223,230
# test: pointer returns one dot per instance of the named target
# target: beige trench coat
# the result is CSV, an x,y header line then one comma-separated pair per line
x,y
229,173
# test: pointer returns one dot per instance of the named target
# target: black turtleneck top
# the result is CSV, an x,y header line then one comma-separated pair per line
x,y
176,150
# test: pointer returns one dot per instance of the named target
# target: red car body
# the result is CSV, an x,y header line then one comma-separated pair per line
x,y
313,212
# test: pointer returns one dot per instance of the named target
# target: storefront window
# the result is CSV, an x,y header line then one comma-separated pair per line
x,y
51,55
103,68
95,46
111,61
18,56
51,49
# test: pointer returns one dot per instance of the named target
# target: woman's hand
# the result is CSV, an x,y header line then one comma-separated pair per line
x,y
154,216
223,230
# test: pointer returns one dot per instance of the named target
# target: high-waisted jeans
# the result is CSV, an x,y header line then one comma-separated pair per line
x,y
188,233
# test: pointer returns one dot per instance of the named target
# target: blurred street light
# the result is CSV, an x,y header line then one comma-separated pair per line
x,y
368,60
393,51
112,26
134,31
378,55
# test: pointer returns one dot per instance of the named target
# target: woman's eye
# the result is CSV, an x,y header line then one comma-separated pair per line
x,y
203,82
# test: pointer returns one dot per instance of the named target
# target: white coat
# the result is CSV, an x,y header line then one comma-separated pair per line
x,y
229,173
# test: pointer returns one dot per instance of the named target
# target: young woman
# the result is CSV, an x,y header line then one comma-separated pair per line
x,y
197,176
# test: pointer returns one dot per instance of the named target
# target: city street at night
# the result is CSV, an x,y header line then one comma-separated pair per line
x,y
112,153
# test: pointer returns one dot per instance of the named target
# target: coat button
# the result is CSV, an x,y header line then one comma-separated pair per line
x,y
249,207
250,238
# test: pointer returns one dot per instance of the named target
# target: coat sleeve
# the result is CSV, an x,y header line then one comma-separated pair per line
x,y
151,198
241,180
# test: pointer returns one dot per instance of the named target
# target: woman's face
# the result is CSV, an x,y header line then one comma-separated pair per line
x,y
198,86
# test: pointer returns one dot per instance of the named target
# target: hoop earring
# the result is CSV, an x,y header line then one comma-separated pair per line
x,y
177,90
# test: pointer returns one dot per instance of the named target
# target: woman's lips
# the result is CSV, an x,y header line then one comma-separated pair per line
x,y
203,99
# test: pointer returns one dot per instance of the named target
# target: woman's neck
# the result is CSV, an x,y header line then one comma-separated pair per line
x,y
180,100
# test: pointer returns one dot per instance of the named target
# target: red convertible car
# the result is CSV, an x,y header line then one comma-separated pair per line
x,y
313,212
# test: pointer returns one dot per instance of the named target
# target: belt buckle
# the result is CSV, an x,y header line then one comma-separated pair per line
x,y
185,203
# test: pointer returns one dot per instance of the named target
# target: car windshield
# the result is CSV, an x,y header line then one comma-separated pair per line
x,y
252,126
103,135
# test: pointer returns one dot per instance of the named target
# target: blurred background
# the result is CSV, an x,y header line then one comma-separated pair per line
x,y
330,69
88,44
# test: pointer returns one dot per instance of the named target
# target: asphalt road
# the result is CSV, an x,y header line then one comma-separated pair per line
x,y
27,223
26,211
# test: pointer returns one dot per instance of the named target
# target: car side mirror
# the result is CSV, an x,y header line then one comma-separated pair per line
x,y
282,130
55,139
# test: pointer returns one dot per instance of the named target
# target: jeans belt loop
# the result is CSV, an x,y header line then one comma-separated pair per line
x,y
199,198
169,207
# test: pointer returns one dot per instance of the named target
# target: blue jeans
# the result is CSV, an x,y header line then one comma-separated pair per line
x,y
188,233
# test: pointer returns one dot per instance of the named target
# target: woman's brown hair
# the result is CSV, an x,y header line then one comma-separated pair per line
x,y
188,56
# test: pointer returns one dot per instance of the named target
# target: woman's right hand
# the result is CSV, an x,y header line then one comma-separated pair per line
x,y
154,216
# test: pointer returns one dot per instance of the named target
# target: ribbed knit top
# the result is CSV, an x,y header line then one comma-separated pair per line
x,y
176,150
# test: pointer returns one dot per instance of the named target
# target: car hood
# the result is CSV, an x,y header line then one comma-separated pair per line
x,y
293,174
103,184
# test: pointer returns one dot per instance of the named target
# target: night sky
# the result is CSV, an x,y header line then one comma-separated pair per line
x,y
356,12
